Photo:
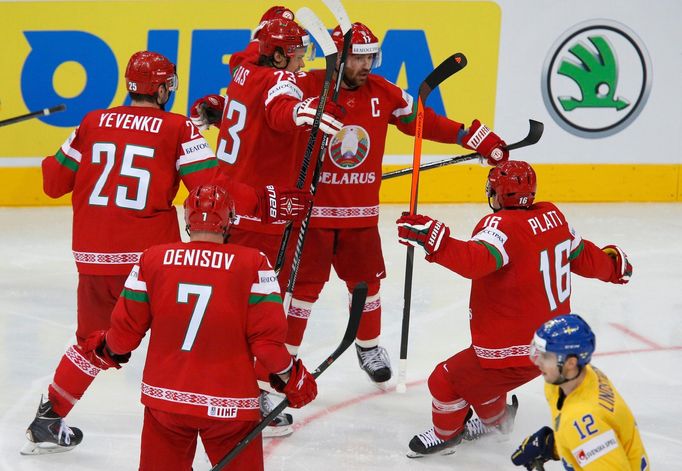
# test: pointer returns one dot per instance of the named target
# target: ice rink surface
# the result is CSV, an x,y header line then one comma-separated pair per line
x,y
352,425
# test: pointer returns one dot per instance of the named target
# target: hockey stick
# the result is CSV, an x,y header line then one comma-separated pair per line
x,y
34,114
448,67
356,308
347,29
317,29
534,134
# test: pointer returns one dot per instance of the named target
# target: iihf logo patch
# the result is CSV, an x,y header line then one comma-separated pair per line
x,y
349,147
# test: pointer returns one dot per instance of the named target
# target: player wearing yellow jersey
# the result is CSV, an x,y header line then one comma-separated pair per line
x,y
594,428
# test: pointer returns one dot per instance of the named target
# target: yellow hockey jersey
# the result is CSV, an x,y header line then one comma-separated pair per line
x,y
594,428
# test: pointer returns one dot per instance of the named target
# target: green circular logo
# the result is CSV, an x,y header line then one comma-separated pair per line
x,y
596,78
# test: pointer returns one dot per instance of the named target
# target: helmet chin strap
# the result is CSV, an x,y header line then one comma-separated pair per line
x,y
562,379
162,106
491,205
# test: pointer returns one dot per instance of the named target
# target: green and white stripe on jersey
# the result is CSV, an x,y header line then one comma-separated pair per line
x,y
266,289
134,289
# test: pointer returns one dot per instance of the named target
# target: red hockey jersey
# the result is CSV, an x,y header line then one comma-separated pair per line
x,y
257,129
211,308
348,190
520,263
124,167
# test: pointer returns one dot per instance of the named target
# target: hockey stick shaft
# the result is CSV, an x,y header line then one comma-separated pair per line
x,y
317,29
347,29
448,67
34,114
357,305
534,134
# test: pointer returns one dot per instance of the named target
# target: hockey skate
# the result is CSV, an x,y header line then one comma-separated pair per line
x,y
427,443
48,433
281,425
476,429
376,363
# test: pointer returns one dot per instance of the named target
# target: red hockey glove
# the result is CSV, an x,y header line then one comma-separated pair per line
x,y
207,111
300,388
422,231
535,450
95,349
331,121
283,204
481,139
622,265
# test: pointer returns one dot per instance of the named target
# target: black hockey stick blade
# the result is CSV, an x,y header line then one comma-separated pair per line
x,y
356,308
447,68
34,114
357,305
534,134
535,130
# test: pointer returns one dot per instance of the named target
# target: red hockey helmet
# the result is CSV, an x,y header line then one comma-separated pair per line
x,y
514,182
278,11
363,41
282,33
147,70
209,208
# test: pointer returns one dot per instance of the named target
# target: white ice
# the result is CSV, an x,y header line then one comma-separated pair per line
x,y
351,425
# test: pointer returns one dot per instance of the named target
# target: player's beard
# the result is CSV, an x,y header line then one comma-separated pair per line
x,y
357,79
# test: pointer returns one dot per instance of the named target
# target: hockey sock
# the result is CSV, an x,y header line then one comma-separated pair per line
x,y
448,409
297,321
71,379
492,412
370,323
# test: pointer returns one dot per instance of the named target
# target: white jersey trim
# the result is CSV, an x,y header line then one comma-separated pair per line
x,y
267,283
577,240
502,353
284,87
496,238
197,399
345,212
195,151
123,258
133,283
70,151
407,110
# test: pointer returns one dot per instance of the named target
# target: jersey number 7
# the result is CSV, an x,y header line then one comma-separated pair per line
x,y
203,294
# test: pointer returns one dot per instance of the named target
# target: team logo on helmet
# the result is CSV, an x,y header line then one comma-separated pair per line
x,y
596,78
349,147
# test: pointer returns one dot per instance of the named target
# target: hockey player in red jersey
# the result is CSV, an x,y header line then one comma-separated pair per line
x,y
123,167
520,259
264,107
211,308
346,210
